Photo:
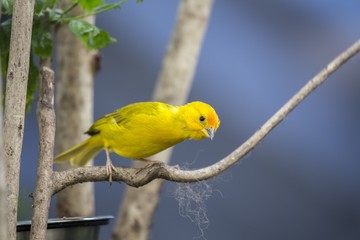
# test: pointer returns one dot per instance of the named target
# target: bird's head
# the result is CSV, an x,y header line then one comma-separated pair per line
x,y
201,120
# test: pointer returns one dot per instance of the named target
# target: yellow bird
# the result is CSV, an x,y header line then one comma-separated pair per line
x,y
142,129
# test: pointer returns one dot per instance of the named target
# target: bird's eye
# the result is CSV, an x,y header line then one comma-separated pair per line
x,y
202,119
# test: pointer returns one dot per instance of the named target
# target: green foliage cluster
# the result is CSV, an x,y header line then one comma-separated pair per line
x,y
46,17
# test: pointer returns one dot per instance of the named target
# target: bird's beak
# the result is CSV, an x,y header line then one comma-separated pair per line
x,y
210,132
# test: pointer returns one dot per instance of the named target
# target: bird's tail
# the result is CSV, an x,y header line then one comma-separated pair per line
x,y
80,154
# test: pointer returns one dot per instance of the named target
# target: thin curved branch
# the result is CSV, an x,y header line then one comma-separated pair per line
x,y
139,177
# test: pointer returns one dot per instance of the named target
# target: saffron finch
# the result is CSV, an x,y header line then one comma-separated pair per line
x,y
142,129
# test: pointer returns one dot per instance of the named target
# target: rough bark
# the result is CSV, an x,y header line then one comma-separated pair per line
x,y
46,119
3,199
173,86
3,188
16,84
74,104
137,178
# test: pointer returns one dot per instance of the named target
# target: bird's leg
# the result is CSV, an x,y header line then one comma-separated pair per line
x,y
109,165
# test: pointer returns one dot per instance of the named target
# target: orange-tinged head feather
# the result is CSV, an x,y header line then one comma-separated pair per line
x,y
201,120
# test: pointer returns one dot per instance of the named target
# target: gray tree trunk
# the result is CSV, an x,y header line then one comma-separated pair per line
x,y
14,115
74,104
3,199
44,185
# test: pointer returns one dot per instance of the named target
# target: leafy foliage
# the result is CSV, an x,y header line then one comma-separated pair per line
x,y
7,6
90,5
42,5
46,17
42,38
92,36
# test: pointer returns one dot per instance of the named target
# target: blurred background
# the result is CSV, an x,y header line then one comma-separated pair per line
x,y
302,181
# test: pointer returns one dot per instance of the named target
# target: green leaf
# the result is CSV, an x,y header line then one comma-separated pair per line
x,y
139,1
108,6
7,5
42,38
42,5
54,14
66,18
101,40
81,28
92,36
90,4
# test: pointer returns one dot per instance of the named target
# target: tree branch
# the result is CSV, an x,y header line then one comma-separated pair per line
x,y
14,115
139,177
46,119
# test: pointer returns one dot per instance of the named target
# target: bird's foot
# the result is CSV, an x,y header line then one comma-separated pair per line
x,y
109,168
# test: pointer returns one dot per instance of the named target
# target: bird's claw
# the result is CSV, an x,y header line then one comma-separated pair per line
x,y
109,169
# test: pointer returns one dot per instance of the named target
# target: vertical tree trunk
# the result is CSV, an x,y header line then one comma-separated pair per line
x,y
16,84
74,101
46,119
3,189
136,213
3,199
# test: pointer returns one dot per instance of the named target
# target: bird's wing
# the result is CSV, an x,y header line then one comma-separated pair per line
x,y
125,114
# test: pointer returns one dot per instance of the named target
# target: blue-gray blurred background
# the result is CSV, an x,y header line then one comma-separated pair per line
x,y
303,180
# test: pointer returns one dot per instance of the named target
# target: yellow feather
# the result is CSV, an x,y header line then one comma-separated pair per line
x,y
143,129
